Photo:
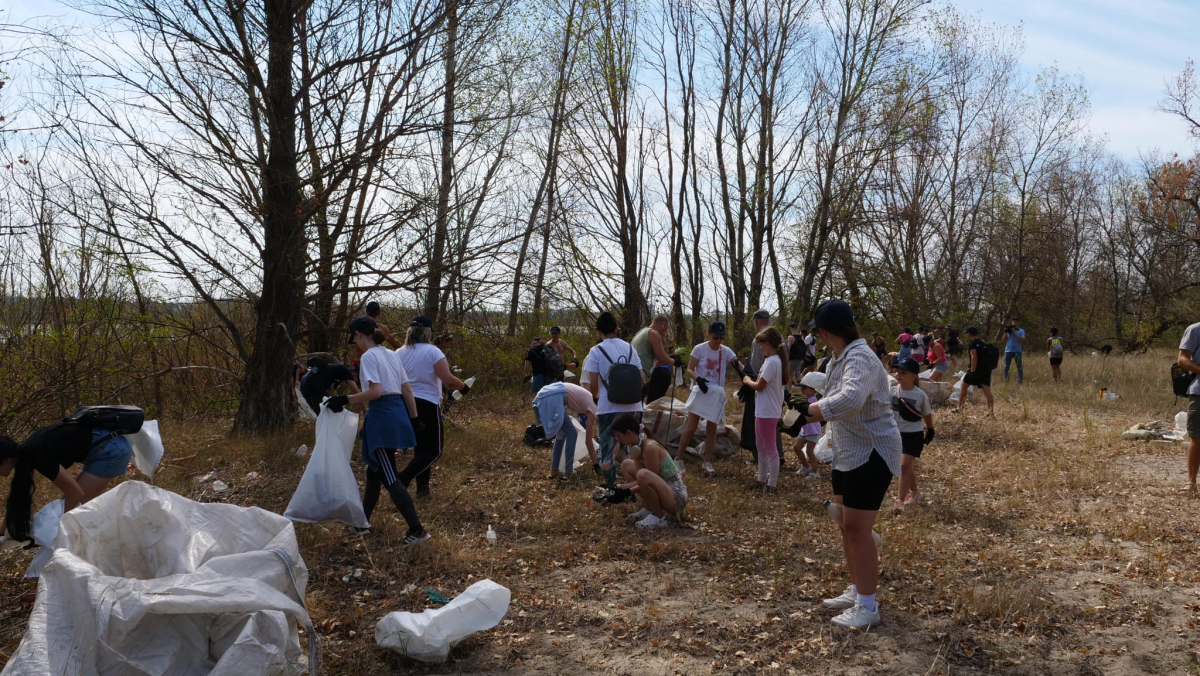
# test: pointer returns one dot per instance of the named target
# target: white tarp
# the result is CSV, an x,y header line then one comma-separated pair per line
x,y
667,427
430,635
145,582
328,490
43,530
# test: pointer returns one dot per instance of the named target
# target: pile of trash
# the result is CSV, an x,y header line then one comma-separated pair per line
x,y
1153,431
664,418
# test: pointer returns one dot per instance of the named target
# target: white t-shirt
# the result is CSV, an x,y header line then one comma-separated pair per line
x,y
419,361
811,341
381,365
619,351
711,364
769,402
918,401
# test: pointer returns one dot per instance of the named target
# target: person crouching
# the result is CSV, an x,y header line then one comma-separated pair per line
x,y
650,473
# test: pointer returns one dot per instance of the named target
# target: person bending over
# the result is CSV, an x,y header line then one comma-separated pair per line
x,y
322,378
651,474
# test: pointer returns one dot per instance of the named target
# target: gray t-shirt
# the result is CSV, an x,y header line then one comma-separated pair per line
x,y
1191,343
919,401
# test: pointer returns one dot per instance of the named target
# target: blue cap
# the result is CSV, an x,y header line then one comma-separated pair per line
x,y
364,325
831,313
793,325
971,331
907,364
717,328
421,321
373,308
555,329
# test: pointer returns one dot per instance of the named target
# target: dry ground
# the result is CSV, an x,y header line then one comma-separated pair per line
x,y
1048,546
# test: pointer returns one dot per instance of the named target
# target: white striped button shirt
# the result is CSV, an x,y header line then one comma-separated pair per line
x,y
858,406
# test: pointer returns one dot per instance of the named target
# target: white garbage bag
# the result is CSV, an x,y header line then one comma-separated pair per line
x,y
148,583
822,450
957,392
430,635
306,412
43,530
147,448
328,490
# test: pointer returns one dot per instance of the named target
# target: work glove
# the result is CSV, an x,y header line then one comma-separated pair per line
x,y
702,383
465,388
418,425
787,397
928,435
678,361
336,404
744,393
801,406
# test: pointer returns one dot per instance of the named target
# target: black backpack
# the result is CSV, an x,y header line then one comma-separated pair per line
x,y
989,357
535,435
555,368
623,384
1181,380
117,418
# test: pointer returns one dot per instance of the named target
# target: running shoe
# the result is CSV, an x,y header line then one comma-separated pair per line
x,y
804,471
858,618
639,515
709,468
415,538
847,599
362,531
652,521
812,475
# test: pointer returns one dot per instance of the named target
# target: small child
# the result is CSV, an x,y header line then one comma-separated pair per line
x,y
812,385
912,408
768,404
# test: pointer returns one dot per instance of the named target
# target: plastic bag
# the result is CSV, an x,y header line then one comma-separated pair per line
x,y
147,448
328,490
306,412
147,582
957,393
430,635
43,530
822,450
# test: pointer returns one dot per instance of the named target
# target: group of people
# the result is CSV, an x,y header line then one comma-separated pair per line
x,y
400,382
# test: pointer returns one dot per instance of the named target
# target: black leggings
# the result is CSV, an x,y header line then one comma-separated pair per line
x,y
428,449
387,479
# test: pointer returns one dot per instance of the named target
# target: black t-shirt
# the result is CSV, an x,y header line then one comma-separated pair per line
x,y
60,444
314,386
977,344
537,361
952,338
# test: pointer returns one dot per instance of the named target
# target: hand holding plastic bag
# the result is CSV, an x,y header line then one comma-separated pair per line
x,y
430,635
328,490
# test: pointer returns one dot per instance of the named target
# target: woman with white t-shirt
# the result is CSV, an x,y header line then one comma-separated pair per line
x,y
388,425
707,369
428,370
768,404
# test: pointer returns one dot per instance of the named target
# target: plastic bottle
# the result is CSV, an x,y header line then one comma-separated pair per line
x,y
491,536
1181,421
834,511
469,382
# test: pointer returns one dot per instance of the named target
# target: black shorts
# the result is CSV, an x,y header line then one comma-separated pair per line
x,y
658,384
865,486
979,378
1055,361
1193,418
911,443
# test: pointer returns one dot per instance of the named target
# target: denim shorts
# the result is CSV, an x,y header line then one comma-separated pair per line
x,y
110,459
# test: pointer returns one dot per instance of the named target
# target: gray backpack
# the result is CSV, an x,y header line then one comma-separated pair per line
x,y
623,382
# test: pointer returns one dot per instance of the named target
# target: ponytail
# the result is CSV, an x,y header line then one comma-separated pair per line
x,y
772,337
20,492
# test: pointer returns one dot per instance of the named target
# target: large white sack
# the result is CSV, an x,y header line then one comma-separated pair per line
x,y
328,490
43,530
430,635
146,582
147,448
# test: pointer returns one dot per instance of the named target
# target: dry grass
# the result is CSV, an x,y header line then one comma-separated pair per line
x,y
1048,546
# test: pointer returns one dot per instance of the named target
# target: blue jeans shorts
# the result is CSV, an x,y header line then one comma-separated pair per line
x,y
110,459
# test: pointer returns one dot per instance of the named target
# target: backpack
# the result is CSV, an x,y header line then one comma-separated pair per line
x,y
1056,347
1181,380
535,435
623,382
118,418
989,357
555,368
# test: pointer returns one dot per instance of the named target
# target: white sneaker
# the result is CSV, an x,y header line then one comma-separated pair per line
x,y
652,521
848,599
639,515
812,475
709,468
803,471
858,618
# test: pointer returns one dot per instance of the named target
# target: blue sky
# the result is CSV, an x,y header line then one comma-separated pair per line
x,y
1125,50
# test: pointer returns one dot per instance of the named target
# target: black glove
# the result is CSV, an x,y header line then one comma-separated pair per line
x,y
928,435
678,360
801,406
744,393
465,388
702,384
418,425
787,397
336,404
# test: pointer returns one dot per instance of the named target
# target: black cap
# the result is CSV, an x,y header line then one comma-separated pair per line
x,y
316,362
971,331
555,329
831,313
907,364
421,321
364,325
793,325
761,314
373,308
717,328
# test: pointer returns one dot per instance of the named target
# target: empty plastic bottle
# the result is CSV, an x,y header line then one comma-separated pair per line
x,y
491,536
469,382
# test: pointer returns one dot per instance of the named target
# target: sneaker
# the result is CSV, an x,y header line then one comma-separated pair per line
x,y
652,521
709,468
914,498
754,486
422,492
858,618
639,515
897,506
848,599
415,538
565,478
362,531
1191,491
804,471
812,475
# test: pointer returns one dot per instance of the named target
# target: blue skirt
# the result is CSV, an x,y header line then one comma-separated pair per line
x,y
386,425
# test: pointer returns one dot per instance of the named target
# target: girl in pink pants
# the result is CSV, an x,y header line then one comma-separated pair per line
x,y
768,404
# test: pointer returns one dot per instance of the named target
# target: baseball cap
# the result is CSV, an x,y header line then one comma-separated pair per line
x,y
794,325
373,307
717,328
421,321
555,329
317,363
971,331
364,325
907,364
831,313
761,314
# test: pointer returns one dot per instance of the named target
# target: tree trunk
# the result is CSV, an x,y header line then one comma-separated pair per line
x,y
446,183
